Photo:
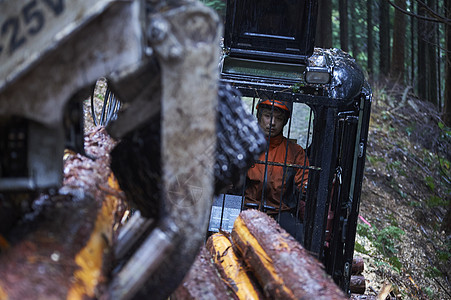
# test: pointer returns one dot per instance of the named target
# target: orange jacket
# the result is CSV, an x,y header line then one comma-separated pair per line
x,y
294,177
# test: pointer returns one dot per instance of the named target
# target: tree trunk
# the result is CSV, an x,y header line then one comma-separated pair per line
x,y
370,46
421,53
353,20
399,37
231,268
344,33
384,38
324,24
447,101
284,269
412,45
432,59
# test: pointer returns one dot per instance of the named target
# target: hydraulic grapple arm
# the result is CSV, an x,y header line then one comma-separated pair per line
x,y
160,58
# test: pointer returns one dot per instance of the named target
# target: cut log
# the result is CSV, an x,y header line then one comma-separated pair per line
x,y
358,265
203,281
284,269
357,284
63,249
231,267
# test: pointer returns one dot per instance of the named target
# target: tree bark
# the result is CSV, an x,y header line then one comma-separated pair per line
x,y
358,265
357,284
353,20
284,269
370,46
384,38
447,101
421,54
432,58
344,33
399,37
232,268
324,24
64,251
203,281
412,46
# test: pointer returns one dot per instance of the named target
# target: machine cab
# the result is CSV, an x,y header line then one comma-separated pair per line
x,y
269,54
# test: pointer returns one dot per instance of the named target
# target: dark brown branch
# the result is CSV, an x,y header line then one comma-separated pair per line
x,y
437,18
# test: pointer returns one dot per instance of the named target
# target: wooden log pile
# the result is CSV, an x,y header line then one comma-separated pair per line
x,y
358,283
203,281
63,250
260,260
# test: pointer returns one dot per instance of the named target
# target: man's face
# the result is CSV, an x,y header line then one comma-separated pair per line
x,y
276,123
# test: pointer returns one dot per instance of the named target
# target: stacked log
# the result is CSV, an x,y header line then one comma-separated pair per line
x,y
261,257
231,268
203,281
358,283
284,269
358,265
63,250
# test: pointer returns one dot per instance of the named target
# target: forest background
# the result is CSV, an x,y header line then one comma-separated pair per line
x,y
404,47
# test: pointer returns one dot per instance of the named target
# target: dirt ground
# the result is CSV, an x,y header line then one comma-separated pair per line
x,y
404,198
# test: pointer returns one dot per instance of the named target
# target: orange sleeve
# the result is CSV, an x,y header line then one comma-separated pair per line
x,y
301,177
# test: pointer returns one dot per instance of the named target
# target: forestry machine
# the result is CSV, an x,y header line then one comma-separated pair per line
x,y
269,53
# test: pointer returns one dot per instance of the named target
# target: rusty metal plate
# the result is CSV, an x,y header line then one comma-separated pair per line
x,y
30,29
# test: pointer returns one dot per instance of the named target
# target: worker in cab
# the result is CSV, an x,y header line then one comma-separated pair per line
x,y
276,182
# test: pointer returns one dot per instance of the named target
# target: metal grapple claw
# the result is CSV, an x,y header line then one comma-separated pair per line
x,y
185,40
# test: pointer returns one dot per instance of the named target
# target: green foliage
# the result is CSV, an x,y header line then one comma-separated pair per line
x,y
435,201
99,96
395,263
364,230
396,166
392,219
386,239
443,256
409,130
444,163
402,194
296,88
415,203
361,249
430,183
433,272
429,292
374,159
446,131
218,5
385,115
396,187
385,242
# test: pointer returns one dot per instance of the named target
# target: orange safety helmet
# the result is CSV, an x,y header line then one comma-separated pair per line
x,y
279,104
276,103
